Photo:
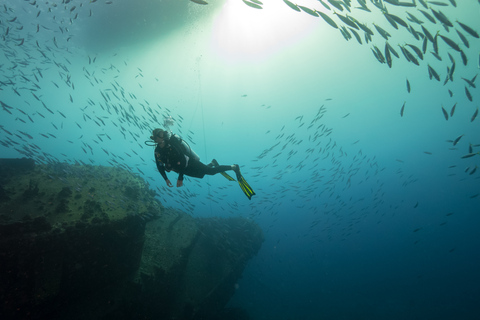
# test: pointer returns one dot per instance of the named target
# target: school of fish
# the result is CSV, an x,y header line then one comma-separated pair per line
x,y
30,67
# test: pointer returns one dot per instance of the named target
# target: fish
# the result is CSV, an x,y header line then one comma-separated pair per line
x,y
432,72
200,2
327,19
390,20
424,44
347,21
468,29
440,16
414,19
428,16
439,58
397,20
291,5
392,50
469,155
471,83
435,43
363,6
308,10
464,57
474,115
402,109
453,110
416,49
464,40
335,3
357,36
388,57
409,56
468,94
385,34
451,43
438,3
452,70
445,113
457,139
251,4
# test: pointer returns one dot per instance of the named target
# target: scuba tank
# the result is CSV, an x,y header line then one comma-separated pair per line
x,y
185,147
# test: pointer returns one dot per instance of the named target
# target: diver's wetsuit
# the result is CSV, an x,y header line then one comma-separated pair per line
x,y
171,158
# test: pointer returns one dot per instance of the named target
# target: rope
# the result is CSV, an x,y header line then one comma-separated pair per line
x,y
200,103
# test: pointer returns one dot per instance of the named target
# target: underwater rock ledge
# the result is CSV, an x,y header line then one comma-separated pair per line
x,y
81,241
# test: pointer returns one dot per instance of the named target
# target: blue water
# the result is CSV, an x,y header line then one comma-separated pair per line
x,y
367,214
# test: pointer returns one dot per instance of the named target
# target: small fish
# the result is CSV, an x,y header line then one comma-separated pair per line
x,y
464,58
464,40
327,19
199,1
388,57
467,93
471,83
291,5
474,115
309,11
473,170
453,110
408,86
402,109
251,4
451,43
432,72
440,16
457,139
468,29
437,3
445,113
469,155
428,16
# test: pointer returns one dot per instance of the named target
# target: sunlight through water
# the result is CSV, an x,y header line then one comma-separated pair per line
x,y
242,33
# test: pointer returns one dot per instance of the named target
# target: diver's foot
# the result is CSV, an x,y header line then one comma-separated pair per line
x,y
213,164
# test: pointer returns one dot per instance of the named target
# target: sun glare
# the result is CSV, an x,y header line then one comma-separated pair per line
x,y
241,32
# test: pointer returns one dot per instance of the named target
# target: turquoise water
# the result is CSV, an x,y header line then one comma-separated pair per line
x,y
367,214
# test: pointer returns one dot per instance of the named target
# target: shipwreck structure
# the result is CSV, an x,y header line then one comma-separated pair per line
x,y
93,242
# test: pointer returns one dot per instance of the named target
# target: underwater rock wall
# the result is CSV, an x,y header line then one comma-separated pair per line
x,y
79,241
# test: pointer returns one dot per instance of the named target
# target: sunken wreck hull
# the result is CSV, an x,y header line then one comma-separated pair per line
x,y
90,242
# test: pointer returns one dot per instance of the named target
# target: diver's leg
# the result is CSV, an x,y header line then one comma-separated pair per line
x,y
218,169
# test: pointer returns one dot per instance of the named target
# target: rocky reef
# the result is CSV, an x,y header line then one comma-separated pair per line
x,y
93,242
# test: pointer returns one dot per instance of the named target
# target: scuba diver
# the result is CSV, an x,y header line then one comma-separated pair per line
x,y
172,153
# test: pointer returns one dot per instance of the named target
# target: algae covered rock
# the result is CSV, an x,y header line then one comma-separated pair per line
x,y
80,241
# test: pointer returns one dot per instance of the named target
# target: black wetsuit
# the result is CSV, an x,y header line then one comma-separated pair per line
x,y
172,158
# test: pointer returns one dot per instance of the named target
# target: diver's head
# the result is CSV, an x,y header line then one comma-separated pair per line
x,y
160,136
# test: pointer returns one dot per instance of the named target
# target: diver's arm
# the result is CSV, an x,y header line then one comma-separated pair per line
x,y
161,169
180,180
164,175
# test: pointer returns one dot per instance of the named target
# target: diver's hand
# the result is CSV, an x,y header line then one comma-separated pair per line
x,y
169,183
179,183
